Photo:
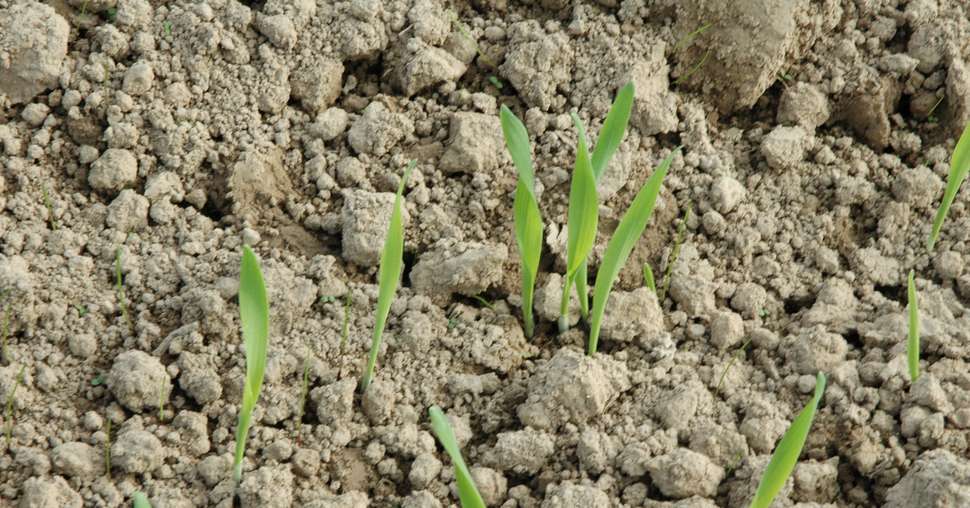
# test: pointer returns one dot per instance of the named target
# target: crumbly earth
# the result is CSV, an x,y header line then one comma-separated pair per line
x,y
152,139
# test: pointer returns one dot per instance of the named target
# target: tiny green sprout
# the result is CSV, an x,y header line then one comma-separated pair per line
x,y
167,26
112,13
497,83
485,303
345,331
107,447
527,220
929,114
674,254
467,492
388,275
735,357
140,500
254,318
120,289
98,380
620,246
328,299
912,343
695,68
82,310
959,167
50,210
690,37
10,400
648,278
786,453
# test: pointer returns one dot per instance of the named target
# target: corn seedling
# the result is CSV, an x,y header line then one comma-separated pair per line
x,y
345,332
959,167
140,500
304,390
107,447
388,275
786,454
528,221
167,26
467,492
254,316
912,343
120,290
611,135
674,254
8,432
727,368
620,246
648,278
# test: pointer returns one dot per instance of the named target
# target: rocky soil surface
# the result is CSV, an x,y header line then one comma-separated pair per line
x,y
148,140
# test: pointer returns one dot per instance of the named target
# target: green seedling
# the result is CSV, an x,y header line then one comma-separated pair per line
x,y
120,290
388,275
467,492
611,135
50,210
912,342
10,400
690,37
485,303
583,217
620,246
727,368
107,447
929,115
254,317
167,26
786,454
98,380
304,390
140,500
648,278
694,69
959,167
528,221
674,254
345,331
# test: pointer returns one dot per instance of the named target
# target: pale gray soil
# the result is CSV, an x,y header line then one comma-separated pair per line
x,y
816,139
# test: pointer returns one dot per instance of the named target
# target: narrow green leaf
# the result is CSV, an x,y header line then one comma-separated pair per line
x,y
912,344
582,218
388,276
140,500
254,316
621,245
648,278
611,134
528,221
467,492
959,167
789,448
582,291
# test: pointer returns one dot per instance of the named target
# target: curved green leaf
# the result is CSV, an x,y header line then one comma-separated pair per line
x,y
388,276
528,221
789,448
912,343
621,245
254,318
140,500
959,167
611,134
467,491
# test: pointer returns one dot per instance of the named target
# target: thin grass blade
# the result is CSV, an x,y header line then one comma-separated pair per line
x,y
959,167
388,276
528,221
467,491
621,245
912,343
648,279
254,317
611,134
789,448
582,220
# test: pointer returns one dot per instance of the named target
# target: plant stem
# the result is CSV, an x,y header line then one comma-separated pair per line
x,y
564,305
582,292
242,430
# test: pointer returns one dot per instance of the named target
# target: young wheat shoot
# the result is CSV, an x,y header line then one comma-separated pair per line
x,y
388,275
528,221
674,254
611,135
254,316
786,453
959,167
912,342
467,491
620,246
648,279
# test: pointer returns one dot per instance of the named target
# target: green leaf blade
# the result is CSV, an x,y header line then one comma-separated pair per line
x,y
527,218
787,451
959,167
140,500
467,491
912,342
620,246
388,275
614,127
254,319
